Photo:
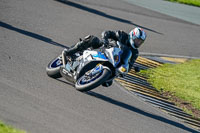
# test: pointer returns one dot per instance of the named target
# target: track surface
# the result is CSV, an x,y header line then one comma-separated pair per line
x,y
32,32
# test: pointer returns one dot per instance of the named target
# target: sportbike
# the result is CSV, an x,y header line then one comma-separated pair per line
x,y
91,68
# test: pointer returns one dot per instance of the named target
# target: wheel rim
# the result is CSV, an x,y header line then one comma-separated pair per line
x,y
56,63
85,79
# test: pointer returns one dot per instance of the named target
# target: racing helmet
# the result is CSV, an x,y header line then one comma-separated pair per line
x,y
137,37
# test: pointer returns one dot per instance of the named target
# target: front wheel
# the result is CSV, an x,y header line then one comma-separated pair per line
x,y
86,83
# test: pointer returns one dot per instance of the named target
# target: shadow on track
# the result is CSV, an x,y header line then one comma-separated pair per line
x,y
131,108
100,13
31,34
66,82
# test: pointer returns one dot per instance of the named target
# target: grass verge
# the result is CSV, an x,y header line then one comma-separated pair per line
x,y
188,2
8,129
179,82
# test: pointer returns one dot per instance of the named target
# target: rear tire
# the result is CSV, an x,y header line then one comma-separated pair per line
x,y
53,68
104,75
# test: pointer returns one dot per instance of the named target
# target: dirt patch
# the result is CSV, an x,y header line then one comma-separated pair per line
x,y
183,104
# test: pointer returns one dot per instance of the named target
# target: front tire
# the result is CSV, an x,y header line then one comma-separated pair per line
x,y
102,77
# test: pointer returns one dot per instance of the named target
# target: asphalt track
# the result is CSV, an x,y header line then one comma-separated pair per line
x,y
32,32
181,11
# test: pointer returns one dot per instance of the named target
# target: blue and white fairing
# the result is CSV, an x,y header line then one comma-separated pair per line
x,y
94,55
91,61
110,54
113,55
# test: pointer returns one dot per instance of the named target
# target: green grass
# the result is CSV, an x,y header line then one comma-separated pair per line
x,y
188,2
8,129
181,79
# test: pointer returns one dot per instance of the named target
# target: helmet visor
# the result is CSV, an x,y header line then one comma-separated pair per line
x,y
138,42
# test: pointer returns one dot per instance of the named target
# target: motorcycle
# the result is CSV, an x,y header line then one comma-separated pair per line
x,y
91,68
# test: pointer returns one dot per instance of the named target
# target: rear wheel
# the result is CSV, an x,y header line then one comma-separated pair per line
x,y
53,68
86,83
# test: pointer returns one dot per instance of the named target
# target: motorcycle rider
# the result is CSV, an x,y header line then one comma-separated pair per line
x,y
133,41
